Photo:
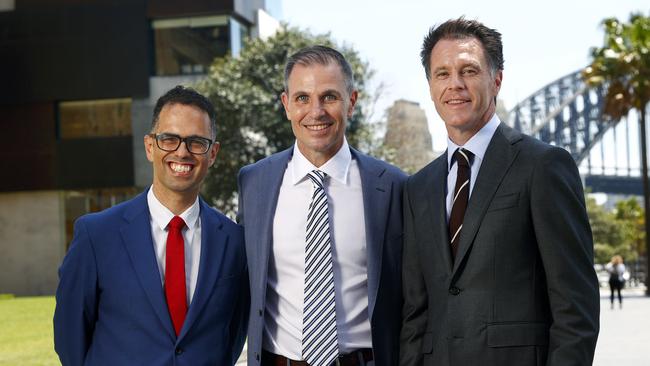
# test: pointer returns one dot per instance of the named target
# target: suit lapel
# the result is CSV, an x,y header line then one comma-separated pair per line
x,y
498,158
436,207
376,198
136,235
213,247
268,190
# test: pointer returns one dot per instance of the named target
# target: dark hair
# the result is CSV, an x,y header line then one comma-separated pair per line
x,y
461,28
187,96
322,55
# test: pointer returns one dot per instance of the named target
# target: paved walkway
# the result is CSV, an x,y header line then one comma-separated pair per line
x,y
624,333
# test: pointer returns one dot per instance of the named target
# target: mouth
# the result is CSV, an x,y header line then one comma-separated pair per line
x,y
180,168
457,102
318,127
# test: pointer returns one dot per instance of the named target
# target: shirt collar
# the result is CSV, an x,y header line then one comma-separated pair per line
x,y
161,215
478,143
337,167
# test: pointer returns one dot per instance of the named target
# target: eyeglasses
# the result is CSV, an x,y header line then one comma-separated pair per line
x,y
195,144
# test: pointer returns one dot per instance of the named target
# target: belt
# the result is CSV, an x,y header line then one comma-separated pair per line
x,y
350,359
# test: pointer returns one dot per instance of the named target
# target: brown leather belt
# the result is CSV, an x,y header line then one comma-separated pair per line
x,y
350,359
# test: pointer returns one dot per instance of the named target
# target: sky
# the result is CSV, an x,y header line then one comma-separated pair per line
x,y
542,40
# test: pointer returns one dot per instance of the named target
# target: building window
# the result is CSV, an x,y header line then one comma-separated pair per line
x,y
190,45
95,118
79,203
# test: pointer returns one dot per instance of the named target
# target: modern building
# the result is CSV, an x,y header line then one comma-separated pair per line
x,y
78,81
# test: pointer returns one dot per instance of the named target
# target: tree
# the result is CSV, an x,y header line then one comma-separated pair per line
x,y
251,122
622,65
616,232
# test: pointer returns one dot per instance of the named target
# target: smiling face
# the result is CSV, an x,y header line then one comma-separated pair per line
x,y
318,106
462,86
177,175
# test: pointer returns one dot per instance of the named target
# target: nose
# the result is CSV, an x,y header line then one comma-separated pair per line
x,y
316,109
456,81
182,149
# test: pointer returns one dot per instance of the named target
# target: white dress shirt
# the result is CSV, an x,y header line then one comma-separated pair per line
x,y
478,144
286,276
160,218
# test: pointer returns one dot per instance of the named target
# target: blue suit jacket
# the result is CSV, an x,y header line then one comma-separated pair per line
x,y
110,303
259,187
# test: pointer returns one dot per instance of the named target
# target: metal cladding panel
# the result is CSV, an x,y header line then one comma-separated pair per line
x,y
95,163
29,151
72,50
175,8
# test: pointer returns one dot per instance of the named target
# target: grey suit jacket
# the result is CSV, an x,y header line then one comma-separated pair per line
x,y
259,186
522,290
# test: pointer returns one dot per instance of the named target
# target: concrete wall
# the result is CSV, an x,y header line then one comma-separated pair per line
x,y
32,242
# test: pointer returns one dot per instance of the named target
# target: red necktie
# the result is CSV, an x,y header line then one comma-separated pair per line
x,y
175,273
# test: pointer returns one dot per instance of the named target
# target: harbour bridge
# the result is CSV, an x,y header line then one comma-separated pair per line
x,y
568,113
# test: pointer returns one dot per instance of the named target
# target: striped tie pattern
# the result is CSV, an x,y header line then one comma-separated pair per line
x,y
319,340
461,196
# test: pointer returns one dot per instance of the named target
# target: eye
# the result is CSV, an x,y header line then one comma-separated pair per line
x,y
470,71
302,98
441,74
330,98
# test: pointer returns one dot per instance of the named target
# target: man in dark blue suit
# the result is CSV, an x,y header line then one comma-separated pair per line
x,y
160,279
323,228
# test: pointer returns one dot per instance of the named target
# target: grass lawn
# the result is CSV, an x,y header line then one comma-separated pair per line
x,y
26,331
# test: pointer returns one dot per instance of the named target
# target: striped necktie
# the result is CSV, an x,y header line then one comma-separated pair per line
x,y
461,197
319,339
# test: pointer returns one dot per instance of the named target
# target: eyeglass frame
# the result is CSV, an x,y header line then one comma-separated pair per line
x,y
181,140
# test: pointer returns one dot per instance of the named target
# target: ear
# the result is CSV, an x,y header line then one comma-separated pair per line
x,y
353,102
214,150
149,145
285,102
498,78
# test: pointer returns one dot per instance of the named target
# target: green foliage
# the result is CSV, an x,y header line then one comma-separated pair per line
x,y
251,122
623,64
620,231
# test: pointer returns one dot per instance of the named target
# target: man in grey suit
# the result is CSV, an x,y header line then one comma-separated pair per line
x,y
321,215
498,254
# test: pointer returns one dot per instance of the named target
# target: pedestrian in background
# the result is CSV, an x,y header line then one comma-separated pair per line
x,y
616,270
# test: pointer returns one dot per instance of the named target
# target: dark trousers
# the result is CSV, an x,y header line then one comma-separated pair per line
x,y
615,285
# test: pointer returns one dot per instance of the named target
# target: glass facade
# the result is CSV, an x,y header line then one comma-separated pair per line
x,y
80,202
94,118
189,45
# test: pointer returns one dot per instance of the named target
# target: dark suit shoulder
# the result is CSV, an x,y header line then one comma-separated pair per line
x,y
437,166
225,221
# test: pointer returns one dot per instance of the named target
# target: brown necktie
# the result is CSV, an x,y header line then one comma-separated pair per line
x,y
461,196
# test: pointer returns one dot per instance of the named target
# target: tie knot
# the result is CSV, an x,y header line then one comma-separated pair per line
x,y
176,223
317,178
463,157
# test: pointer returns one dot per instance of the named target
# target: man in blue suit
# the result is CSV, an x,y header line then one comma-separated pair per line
x,y
323,232
160,279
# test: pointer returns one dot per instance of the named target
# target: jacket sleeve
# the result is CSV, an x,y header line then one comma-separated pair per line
x,y
565,245
414,311
76,300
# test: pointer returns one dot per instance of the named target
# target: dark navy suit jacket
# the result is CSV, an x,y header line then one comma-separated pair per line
x,y
111,307
259,187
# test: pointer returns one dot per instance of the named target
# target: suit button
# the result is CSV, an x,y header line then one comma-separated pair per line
x,y
178,351
260,312
454,290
